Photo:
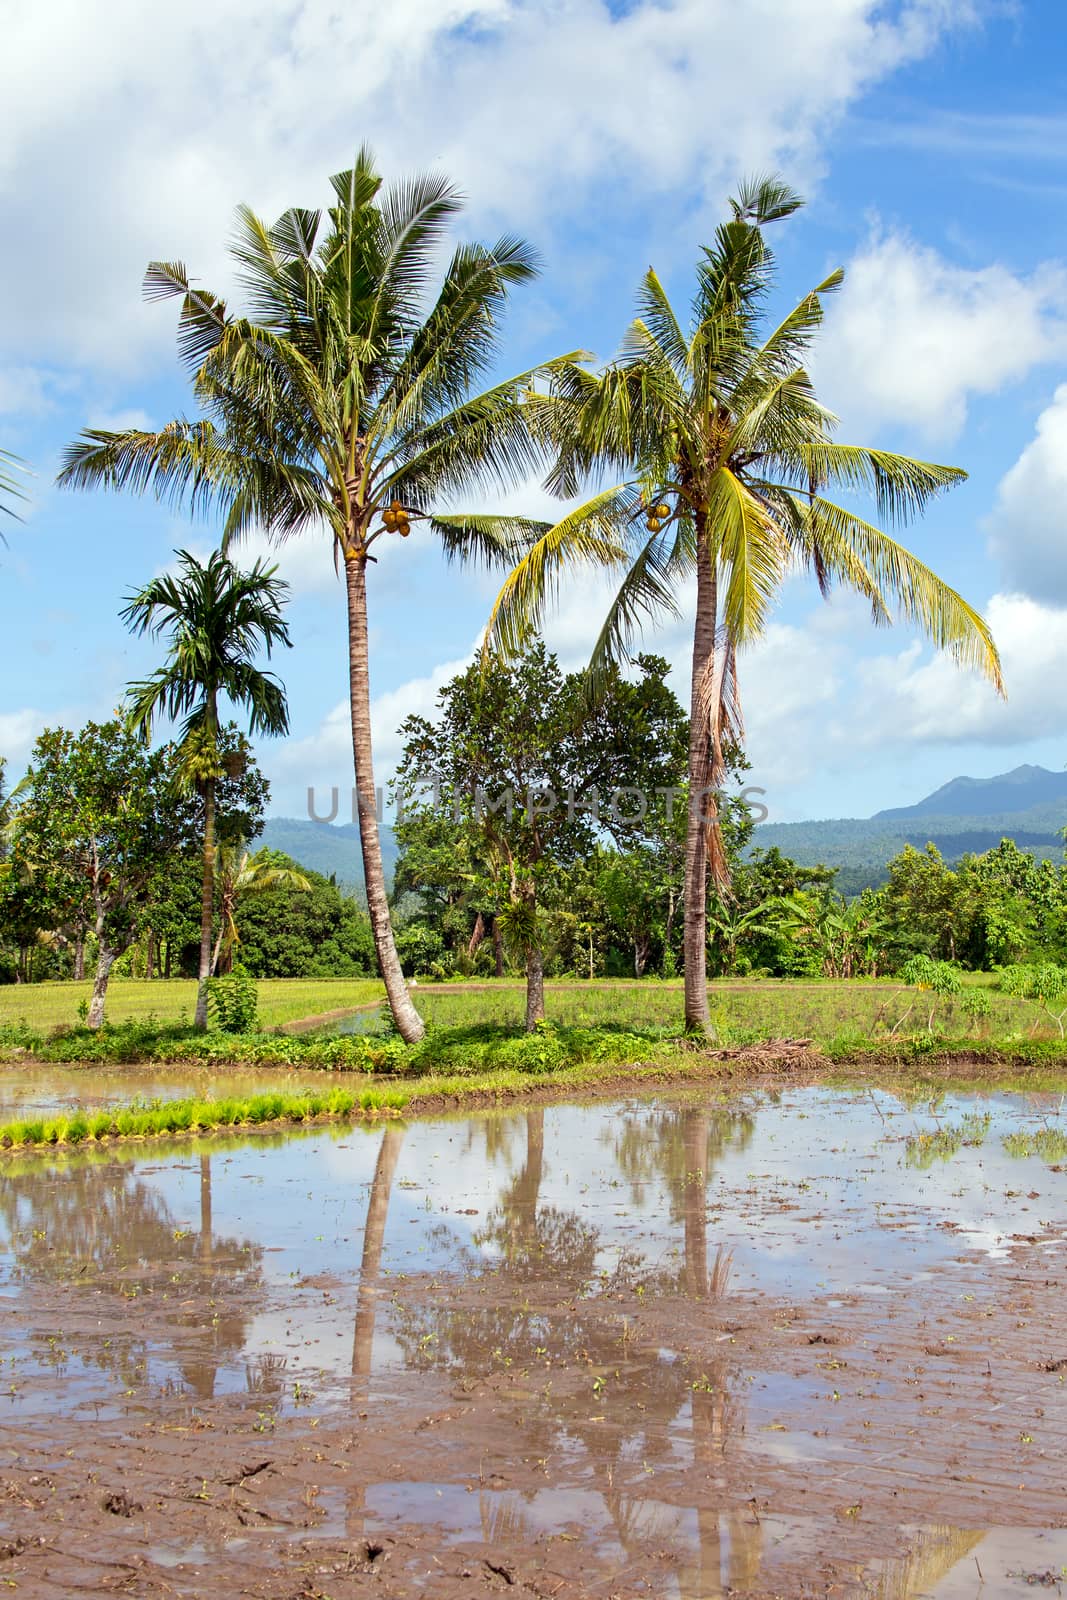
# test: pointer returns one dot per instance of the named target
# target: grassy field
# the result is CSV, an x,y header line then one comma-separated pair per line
x,y
768,1009
52,1005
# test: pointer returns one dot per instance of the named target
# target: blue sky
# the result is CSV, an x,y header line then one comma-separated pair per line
x,y
929,136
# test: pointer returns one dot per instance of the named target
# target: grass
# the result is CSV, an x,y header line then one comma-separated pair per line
x,y
754,1009
1048,1143
44,1006
139,1120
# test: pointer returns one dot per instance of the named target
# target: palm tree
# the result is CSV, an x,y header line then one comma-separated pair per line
x,y
238,874
344,404
218,621
10,488
725,453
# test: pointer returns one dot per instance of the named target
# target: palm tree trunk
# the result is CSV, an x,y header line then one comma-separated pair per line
x,y
695,1203
371,1262
697,1015
405,1016
207,904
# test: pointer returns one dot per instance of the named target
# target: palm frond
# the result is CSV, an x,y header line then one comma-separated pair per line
x,y
920,596
11,469
592,536
645,596
751,550
486,540
900,486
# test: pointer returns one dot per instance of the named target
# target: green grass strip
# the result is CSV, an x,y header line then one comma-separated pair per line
x,y
139,1121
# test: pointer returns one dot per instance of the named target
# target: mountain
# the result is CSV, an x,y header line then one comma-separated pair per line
x,y
965,816
1018,790
329,848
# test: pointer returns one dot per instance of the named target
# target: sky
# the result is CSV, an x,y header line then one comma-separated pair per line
x,y
929,138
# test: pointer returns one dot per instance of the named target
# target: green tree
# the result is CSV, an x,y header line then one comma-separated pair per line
x,y
238,875
315,932
922,906
726,453
97,812
341,403
217,620
530,776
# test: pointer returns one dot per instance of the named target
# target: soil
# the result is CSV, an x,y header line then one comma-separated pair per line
x,y
535,1427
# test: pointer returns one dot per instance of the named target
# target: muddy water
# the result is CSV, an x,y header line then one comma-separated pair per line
x,y
29,1089
798,1343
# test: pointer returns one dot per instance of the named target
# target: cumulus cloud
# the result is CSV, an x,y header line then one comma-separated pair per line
x,y
912,337
926,698
176,114
322,760
1028,524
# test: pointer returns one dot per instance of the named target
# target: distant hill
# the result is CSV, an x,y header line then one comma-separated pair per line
x,y
1019,790
965,816
332,849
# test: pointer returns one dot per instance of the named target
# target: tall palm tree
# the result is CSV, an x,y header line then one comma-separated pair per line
x,y
238,874
218,620
347,403
725,454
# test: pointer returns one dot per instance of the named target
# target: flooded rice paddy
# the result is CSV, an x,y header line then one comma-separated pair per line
x,y
797,1343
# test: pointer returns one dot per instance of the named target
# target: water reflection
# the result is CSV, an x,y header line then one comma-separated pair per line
x,y
512,1250
103,1230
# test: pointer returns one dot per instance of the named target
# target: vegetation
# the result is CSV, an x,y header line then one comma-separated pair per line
x,y
218,620
43,1007
11,490
573,825
239,875
139,1121
728,454
510,799
97,814
341,402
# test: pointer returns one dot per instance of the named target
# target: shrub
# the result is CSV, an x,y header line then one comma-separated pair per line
x,y
234,1002
940,977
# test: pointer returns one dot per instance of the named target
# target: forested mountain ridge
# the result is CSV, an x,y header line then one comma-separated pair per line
x,y
965,816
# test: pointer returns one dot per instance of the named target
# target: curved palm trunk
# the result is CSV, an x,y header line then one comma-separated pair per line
x,y
207,903
697,1015
406,1017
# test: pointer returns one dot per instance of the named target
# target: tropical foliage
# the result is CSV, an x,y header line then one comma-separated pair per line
x,y
728,460
344,403
218,621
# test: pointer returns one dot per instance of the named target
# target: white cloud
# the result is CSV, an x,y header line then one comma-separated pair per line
x,y
323,760
1028,525
912,697
30,391
912,338
135,131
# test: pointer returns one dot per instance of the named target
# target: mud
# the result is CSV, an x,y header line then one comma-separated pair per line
x,y
671,1348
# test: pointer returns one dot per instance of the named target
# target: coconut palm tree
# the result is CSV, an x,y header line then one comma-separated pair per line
x,y
345,402
10,488
725,455
218,621
239,874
